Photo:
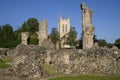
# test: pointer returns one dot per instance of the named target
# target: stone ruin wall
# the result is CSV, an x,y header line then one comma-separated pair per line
x,y
98,60
42,33
92,61
24,37
87,27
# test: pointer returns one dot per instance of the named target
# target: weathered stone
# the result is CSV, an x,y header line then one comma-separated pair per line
x,y
24,36
45,44
43,31
28,61
114,48
4,51
7,74
87,27
96,61
95,45
48,58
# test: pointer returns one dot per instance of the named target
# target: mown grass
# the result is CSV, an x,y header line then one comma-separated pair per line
x,y
50,69
6,60
4,63
87,77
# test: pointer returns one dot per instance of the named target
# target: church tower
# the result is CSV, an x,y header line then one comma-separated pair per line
x,y
63,29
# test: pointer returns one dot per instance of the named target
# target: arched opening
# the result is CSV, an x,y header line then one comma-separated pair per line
x,y
33,39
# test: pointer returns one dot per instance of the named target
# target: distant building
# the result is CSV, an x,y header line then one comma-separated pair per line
x,y
63,29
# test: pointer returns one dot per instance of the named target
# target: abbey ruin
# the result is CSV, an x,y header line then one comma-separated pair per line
x,y
40,62
64,29
42,33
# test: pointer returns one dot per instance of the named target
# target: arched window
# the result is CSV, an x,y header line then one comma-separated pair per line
x,y
66,27
63,28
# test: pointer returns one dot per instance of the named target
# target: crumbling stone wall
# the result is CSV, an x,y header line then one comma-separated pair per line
x,y
28,61
92,61
87,27
43,31
24,37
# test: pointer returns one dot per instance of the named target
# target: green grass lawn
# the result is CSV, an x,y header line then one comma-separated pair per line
x,y
4,63
87,77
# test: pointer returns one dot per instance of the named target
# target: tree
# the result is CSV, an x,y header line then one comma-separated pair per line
x,y
8,33
72,36
25,27
7,36
117,43
33,24
54,36
102,42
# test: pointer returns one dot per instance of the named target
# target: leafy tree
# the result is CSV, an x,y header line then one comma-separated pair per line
x,y
102,42
8,32
7,36
33,24
117,43
25,27
54,36
30,25
72,36
33,39
109,45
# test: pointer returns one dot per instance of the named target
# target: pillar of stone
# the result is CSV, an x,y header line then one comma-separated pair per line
x,y
87,27
24,37
43,31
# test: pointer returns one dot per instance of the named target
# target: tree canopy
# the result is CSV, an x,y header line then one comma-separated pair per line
x,y
8,38
31,25
72,37
117,43
54,36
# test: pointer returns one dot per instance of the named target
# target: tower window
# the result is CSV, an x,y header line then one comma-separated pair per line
x,y
66,27
63,28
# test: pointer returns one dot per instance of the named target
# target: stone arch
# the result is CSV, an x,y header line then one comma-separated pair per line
x,y
34,39
24,38
27,39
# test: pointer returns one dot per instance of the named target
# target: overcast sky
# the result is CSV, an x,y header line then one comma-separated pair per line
x,y
106,17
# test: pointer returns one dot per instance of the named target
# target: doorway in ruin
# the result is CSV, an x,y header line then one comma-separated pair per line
x,y
33,39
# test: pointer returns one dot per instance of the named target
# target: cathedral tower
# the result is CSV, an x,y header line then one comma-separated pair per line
x,y
63,29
